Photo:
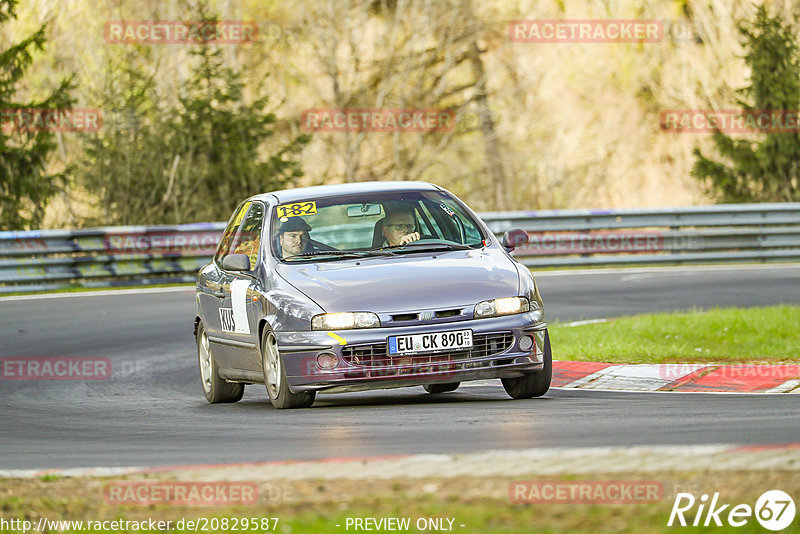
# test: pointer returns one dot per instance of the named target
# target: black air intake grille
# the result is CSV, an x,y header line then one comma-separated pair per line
x,y
375,355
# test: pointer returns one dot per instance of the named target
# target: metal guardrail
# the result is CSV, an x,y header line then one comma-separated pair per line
x,y
133,255
707,234
41,260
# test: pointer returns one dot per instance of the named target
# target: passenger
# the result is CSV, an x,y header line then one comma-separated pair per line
x,y
293,237
399,227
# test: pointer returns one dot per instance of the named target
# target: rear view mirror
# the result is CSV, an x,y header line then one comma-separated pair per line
x,y
236,262
514,238
364,210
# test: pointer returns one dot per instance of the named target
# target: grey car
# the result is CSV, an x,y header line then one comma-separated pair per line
x,y
366,286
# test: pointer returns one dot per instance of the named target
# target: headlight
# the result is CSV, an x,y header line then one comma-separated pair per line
x,y
345,321
506,306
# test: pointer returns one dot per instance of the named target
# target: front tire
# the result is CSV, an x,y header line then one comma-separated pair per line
x,y
441,388
275,377
215,388
533,384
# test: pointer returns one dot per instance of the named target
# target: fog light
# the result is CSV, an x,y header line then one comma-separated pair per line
x,y
525,343
327,361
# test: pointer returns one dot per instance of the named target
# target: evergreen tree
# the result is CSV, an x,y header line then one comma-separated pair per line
x,y
222,135
25,187
766,169
188,159
127,164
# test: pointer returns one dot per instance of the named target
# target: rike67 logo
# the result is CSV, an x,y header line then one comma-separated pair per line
x,y
774,510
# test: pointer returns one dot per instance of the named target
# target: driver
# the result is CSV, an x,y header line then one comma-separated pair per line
x,y
293,237
398,227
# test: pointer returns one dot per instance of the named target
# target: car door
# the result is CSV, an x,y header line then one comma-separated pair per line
x,y
238,324
212,279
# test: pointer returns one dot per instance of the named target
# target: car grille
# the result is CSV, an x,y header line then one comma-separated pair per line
x,y
375,354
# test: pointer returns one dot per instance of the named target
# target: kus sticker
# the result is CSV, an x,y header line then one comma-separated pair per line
x,y
226,319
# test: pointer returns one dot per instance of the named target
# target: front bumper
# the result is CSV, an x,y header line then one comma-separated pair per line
x,y
364,363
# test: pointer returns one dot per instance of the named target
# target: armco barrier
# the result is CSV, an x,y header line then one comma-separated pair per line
x,y
132,255
41,260
706,234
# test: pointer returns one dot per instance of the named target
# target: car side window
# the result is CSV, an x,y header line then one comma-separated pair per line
x,y
224,247
247,239
473,234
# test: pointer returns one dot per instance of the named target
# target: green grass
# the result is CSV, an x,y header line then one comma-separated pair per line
x,y
484,514
81,289
735,335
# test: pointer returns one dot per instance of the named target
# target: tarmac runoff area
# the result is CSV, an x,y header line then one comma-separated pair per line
x,y
539,462
668,378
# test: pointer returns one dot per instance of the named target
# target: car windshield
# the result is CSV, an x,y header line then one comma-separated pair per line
x,y
386,223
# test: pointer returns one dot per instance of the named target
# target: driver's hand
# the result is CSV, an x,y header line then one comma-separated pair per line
x,y
408,238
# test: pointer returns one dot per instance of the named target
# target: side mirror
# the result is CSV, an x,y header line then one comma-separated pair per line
x,y
236,262
514,238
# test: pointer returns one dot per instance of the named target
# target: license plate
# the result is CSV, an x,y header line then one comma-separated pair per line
x,y
431,342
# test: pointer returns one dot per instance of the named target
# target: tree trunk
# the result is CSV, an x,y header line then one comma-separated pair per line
x,y
494,161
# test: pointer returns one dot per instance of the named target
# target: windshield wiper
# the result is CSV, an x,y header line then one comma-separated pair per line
x,y
316,253
337,254
417,247
388,250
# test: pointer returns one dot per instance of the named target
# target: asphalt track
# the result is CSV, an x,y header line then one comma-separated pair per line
x,y
152,412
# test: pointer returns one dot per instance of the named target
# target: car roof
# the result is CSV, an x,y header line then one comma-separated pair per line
x,y
318,191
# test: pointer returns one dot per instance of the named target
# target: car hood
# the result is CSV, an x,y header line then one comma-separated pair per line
x,y
409,282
